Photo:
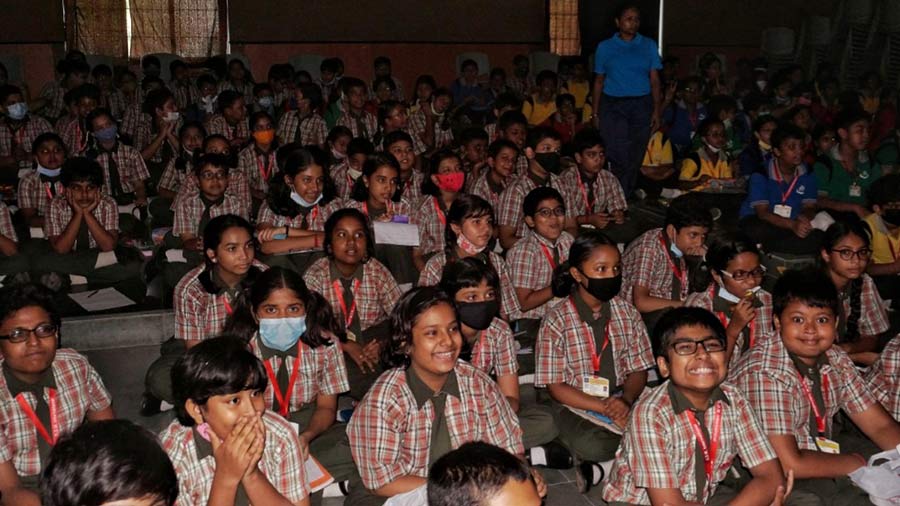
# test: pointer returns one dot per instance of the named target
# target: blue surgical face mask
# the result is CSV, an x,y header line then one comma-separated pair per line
x,y
17,111
725,294
44,171
281,333
675,251
266,102
107,134
303,202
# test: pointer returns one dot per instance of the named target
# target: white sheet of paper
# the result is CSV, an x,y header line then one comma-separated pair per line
x,y
316,475
401,234
99,300
77,280
105,259
127,209
175,256
415,497
822,221
405,287
36,232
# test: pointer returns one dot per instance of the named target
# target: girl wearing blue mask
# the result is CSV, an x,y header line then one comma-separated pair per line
x,y
294,332
292,219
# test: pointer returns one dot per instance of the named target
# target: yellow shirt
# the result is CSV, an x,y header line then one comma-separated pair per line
x,y
658,152
579,91
720,170
883,241
537,113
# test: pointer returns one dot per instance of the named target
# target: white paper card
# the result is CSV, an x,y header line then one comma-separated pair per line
x,y
75,279
105,259
175,256
36,232
405,287
415,497
400,234
316,475
99,300
822,221
127,209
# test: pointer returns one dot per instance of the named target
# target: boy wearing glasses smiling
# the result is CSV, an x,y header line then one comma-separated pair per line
x,y
682,436
45,392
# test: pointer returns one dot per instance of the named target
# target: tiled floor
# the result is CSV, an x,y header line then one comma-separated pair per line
x,y
123,370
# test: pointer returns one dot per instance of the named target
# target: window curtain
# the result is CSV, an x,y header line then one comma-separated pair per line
x,y
189,28
97,26
564,34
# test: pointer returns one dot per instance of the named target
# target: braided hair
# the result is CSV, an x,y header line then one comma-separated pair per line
x,y
837,231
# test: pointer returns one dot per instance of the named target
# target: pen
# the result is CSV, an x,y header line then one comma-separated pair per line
x,y
92,293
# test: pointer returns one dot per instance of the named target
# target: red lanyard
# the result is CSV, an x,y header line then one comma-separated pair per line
x,y
548,255
313,214
47,188
711,448
348,313
786,194
440,214
820,417
681,275
595,357
226,304
265,169
584,195
38,425
284,399
725,321
365,208
476,351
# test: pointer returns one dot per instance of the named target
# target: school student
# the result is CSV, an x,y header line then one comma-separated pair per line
x,y
291,222
683,435
354,116
796,383
430,124
845,254
361,292
230,119
425,405
347,171
543,169
882,378
735,295
109,462
76,131
443,183
400,145
884,223
178,173
542,104
294,332
183,89
238,185
225,446
303,124
14,264
656,271
758,153
124,170
845,173
18,130
473,142
45,392
73,73
513,127
488,344
238,80
82,230
156,134
592,352
39,186
709,163
257,161
481,474
658,166
782,200
204,298
505,102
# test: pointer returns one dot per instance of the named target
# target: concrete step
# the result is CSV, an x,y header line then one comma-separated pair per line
x,y
123,330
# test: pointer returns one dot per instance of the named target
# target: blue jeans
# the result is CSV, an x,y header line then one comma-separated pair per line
x,y
625,127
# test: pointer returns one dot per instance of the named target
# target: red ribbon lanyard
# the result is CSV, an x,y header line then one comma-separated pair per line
x,y
47,187
265,169
588,204
711,448
725,321
38,425
820,417
595,357
284,399
549,256
313,214
681,275
476,350
784,195
226,304
348,313
365,208
440,214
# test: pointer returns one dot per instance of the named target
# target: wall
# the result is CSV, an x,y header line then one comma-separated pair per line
x,y
37,61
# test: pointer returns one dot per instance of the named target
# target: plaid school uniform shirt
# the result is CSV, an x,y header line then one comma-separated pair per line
x,y
79,390
374,298
107,214
873,318
131,117
401,208
129,164
491,130
364,125
343,182
75,136
883,378
22,137
647,263
307,130
114,101
238,187
509,212
563,349
482,188
144,134
259,168
530,268
771,382
56,103
659,449
188,212
173,179
390,432
36,194
216,124
509,302
411,190
417,122
185,94
6,225
280,462
431,218
321,371
245,89
603,194
763,326
494,350
315,219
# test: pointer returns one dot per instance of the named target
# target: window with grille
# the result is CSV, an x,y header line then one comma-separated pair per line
x,y
564,34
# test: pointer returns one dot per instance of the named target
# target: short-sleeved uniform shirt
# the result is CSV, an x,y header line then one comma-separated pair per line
x,y
107,214
585,197
509,302
772,190
36,192
531,268
188,212
494,351
129,164
309,130
885,246
258,167
648,262
510,212
22,136
883,378
873,317
364,125
720,169
626,65
216,124
417,122
838,184
6,225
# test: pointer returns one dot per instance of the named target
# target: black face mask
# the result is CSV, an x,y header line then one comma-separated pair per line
x,y
891,216
478,315
549,161
604,289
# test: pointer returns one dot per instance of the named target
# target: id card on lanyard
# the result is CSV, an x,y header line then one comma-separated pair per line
x,y
824,444
783,209
350,312
676,270
709,449
284,399
593,384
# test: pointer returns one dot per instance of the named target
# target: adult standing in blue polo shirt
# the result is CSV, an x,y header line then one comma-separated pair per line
x,y
626,95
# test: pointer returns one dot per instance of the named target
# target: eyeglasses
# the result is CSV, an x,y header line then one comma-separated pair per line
x,y
42,331
757,273
209,176
711,345
546,212
848,254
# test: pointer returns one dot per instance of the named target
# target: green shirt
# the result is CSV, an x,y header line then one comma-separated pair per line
x,y
838,184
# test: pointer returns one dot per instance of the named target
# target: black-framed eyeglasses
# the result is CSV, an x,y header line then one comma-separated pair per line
x,y
848,254
546,212
688,347
757,273
42,331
